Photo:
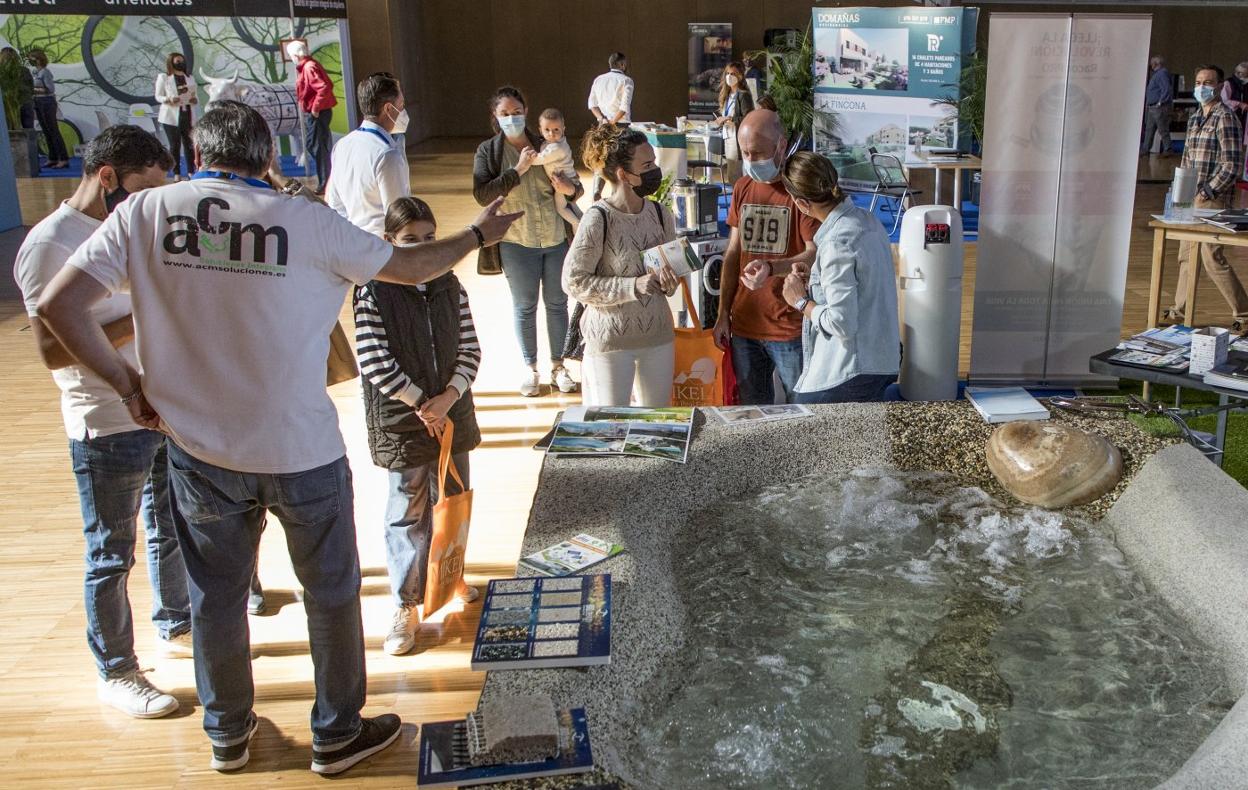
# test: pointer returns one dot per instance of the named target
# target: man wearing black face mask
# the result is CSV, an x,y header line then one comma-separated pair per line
x,y
176,92
119,467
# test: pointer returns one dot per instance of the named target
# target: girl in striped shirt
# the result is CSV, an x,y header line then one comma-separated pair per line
x,y
419,355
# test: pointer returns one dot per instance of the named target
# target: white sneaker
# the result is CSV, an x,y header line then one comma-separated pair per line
x,y
132,694
179,646
402,636
560,378
530,386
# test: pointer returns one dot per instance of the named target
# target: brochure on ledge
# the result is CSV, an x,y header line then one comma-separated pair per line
x,y
444,755
1005,404
743,415
624,430
571,556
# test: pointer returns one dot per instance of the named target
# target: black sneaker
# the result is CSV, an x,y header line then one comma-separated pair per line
x,y
375,735
231,758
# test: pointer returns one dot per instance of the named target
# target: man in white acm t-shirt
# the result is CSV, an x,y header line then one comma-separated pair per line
x,y
235,288
370,170
119,466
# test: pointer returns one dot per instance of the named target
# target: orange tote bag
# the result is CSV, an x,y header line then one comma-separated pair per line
x,y
450,532
698,379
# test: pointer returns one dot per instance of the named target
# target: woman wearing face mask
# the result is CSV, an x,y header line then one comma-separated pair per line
x,y
735,101
175,90
627,324
851,346
531,254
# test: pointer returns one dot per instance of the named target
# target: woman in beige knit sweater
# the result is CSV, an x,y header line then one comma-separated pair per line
x,y
627,324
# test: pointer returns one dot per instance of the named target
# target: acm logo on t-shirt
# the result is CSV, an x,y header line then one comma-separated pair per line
x,y
218,244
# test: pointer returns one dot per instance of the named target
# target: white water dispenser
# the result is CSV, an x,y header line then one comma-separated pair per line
x,y
931,302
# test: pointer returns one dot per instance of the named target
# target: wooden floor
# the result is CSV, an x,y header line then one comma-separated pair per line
x,y
53,732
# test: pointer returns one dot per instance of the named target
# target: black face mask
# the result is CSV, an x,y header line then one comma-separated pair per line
x,y
113,199
650,182
179,65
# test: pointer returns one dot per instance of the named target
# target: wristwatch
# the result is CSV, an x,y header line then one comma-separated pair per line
x,y
801,304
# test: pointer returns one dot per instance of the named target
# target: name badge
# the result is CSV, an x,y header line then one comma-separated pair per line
x,y
764,229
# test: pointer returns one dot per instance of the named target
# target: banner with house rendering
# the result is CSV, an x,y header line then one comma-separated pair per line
x,y
883,73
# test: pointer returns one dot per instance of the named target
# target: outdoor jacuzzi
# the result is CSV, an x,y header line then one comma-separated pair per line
x,y
852,601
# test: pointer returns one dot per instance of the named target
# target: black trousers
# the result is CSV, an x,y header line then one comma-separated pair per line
x,y
180,141
45,109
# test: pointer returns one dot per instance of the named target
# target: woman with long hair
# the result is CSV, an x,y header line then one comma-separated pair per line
x,y
735,102
175,90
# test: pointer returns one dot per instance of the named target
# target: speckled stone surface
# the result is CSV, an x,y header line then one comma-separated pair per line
x,y
643,503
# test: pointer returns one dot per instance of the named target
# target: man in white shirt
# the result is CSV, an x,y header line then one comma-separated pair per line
x,y
370,171
235,289
611,101
120,467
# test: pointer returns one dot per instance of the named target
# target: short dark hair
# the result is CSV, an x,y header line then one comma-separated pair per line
x,y
1216,69
615,59
39,57
551,114
406,210
376,91
125,148
233,135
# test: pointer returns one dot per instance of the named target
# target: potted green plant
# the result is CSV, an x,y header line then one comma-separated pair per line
x,y
791,86
969,106
16,87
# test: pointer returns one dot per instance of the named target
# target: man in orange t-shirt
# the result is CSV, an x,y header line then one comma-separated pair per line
x,y
762,331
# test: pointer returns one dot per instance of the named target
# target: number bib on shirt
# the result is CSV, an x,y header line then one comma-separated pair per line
x,y
764,229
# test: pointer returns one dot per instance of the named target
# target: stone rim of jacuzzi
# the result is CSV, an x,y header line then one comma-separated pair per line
x,y
1191,551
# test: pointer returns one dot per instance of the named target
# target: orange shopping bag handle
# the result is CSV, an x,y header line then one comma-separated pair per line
x,y
693,311
445,463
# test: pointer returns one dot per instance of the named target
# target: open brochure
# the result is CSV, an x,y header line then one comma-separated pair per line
x,y
676,254
624,430
571,556
444,755
742,415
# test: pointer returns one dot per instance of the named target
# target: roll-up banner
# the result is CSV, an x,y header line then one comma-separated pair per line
x,y
710,49
105,65
1061,132
883,72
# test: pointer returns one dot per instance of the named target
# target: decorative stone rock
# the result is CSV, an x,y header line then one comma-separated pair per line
x,y
1053,465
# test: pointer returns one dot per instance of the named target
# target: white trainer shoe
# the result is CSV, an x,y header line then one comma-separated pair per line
x,y
179,646
402,636
530,385
562,380
134,695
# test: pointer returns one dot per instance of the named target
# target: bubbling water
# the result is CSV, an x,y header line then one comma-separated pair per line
x,y
898,629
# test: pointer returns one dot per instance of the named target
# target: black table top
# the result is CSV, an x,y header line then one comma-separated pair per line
x,y
1101,364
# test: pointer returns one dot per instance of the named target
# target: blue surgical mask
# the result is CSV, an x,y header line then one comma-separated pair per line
x,y
764,171
1203,93
512,125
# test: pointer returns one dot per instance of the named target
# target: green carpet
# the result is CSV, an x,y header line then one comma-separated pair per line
x,y
1235,463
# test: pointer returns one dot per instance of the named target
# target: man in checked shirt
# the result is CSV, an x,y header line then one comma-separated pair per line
x,y
1214,148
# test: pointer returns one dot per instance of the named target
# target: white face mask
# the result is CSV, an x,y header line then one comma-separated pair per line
x,y
400,122
732,80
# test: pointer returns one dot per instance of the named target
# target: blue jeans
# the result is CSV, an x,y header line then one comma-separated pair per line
x,y
527,269
859,389
121,477
222,513
753,362
409,525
